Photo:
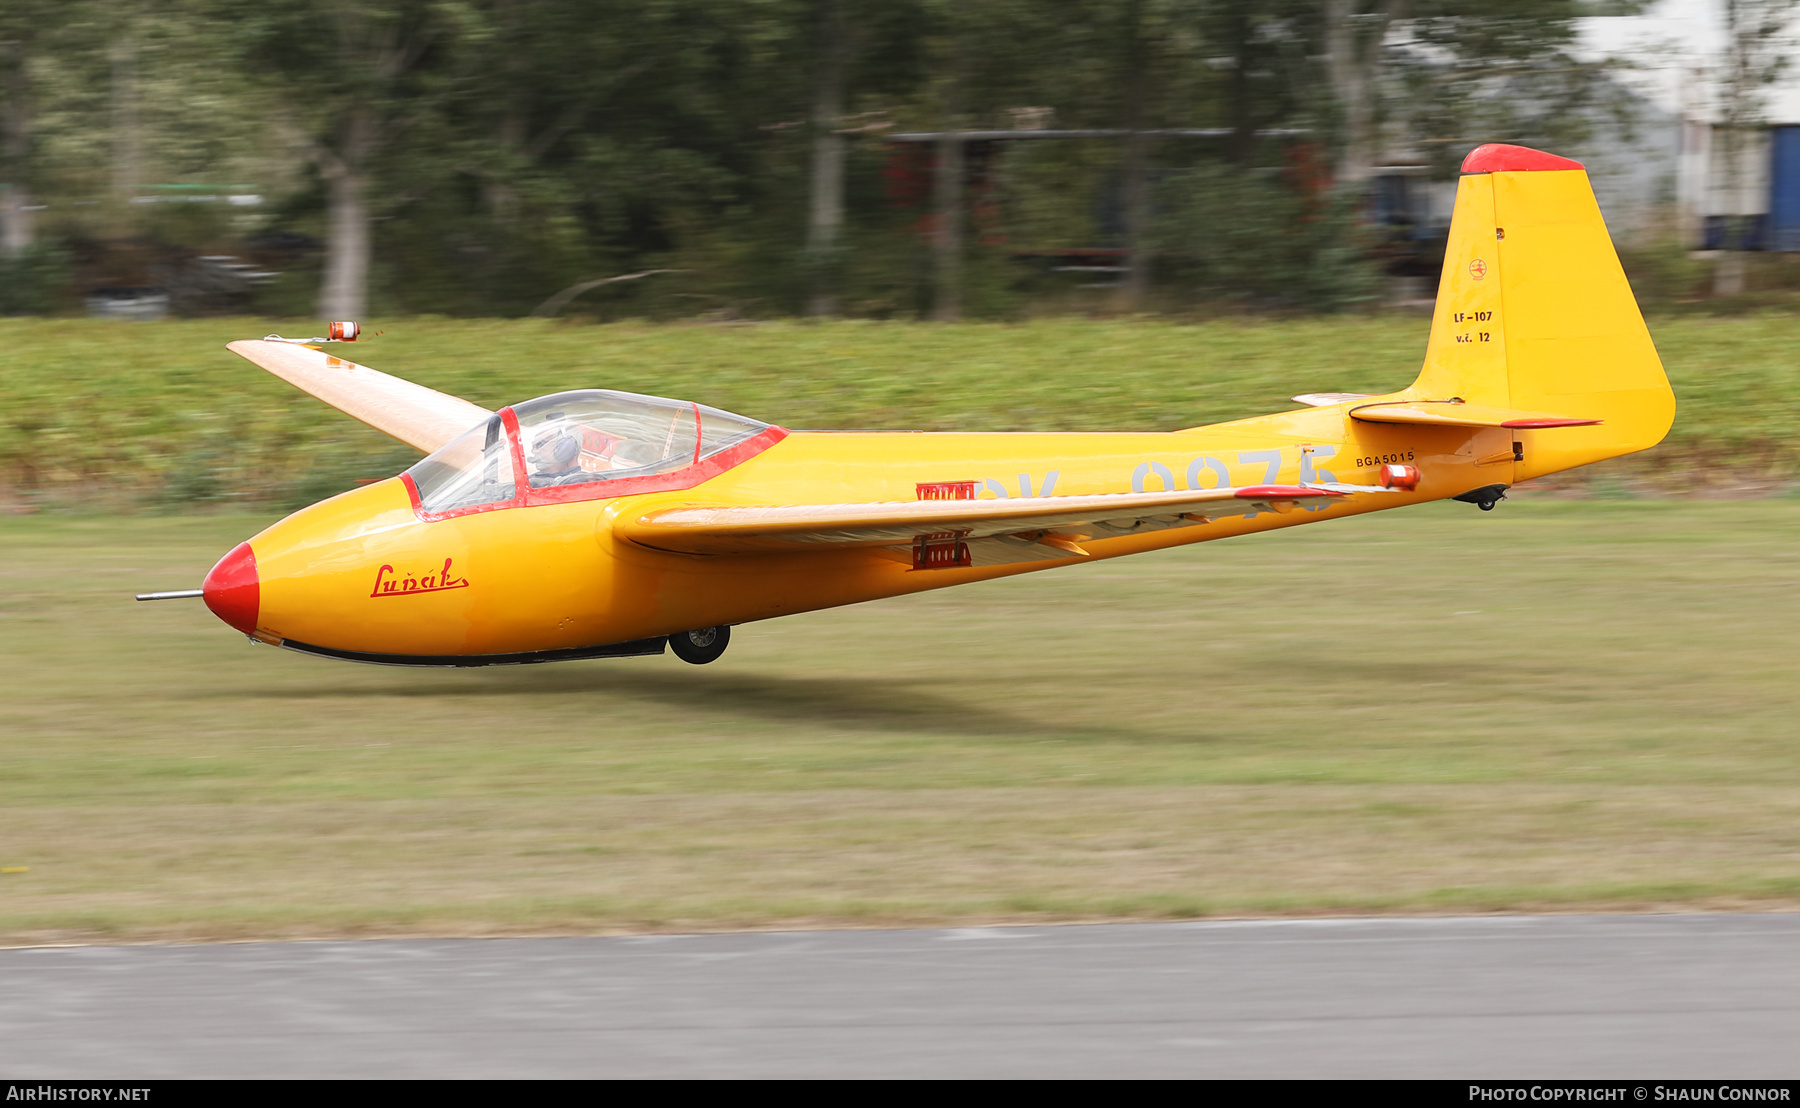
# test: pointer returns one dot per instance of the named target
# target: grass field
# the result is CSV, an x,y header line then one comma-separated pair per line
x,y
1555,705
159,414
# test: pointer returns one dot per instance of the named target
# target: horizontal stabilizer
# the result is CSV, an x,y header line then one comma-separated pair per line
x,y
1454,413
1058,519
418,416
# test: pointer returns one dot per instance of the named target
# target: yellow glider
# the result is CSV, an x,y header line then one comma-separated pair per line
x,y
598,523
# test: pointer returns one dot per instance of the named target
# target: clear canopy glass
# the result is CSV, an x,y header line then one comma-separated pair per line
x,y
473,469
575,438
593,435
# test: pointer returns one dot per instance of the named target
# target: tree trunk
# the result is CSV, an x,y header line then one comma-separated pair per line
x,y
501,195
1137,222
1136,186
1243,111
947,197
344,292
1353,60
15,154
15,220
827,213
1729,271
127,152
499,189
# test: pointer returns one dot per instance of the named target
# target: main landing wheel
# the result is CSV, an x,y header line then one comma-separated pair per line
x,y
702,646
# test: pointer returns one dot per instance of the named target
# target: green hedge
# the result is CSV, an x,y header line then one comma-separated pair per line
x,y
161,414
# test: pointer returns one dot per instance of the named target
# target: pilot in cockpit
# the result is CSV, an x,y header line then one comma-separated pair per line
x,y
557,454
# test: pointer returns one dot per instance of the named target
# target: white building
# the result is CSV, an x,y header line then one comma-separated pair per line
x,y
1673,164
1664,168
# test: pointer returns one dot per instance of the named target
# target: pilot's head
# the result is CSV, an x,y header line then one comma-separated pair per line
x,y
557,453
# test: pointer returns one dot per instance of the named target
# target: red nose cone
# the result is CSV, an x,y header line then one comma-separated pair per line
x,y
231,590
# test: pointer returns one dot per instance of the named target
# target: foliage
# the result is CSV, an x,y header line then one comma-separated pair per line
x,y
1468,70
503,150
1234,237
158,414
511,148
32,282
1664,272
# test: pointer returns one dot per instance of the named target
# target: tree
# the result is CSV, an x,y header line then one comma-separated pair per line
x,y
836,43
16,111
354,77
980,59
851,46
1136,43
1355,38
1469,71
577,141
1147,65
35,36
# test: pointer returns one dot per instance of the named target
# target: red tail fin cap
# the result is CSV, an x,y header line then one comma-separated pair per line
x,y
232,589
1497,157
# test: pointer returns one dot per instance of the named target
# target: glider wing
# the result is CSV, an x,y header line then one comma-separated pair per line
x,y
418,416
1054,525
1453,413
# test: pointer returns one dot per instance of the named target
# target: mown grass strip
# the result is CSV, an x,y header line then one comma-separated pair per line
x,y
1552,706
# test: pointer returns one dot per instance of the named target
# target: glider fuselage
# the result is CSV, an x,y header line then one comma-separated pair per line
x,y
364,573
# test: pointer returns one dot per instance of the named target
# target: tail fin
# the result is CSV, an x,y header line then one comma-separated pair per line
x,y
1534,313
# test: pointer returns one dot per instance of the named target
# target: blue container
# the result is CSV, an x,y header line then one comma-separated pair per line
x,y
1784,189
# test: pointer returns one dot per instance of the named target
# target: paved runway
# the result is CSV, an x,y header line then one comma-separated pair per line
x,y
1558,996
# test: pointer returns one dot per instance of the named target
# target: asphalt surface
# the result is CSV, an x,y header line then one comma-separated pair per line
x,y
1635,997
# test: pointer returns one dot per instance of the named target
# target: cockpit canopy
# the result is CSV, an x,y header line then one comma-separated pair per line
x,y
574,438
585,437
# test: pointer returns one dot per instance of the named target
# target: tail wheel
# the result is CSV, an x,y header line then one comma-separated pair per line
x,y
1484,497
702,646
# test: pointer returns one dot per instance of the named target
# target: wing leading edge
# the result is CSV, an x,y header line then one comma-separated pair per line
x,y
418,416
1002,530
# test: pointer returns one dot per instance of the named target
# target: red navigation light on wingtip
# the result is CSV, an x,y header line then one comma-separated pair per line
x,y
1498,157
345,331
232,589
